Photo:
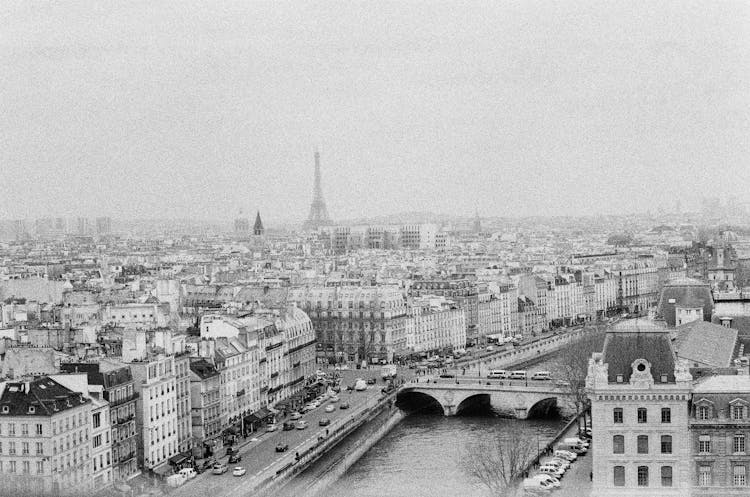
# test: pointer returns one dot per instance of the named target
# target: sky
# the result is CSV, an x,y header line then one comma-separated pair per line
x,y
186,109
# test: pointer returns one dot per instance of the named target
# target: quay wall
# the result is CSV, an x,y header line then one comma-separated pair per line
x,y
332,456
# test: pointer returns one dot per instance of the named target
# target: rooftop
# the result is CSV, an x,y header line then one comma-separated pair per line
x,y
723,384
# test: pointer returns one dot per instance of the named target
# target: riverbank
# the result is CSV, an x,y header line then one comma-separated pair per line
x,y
327,470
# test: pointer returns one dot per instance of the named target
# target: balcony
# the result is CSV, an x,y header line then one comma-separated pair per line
x,y
129,398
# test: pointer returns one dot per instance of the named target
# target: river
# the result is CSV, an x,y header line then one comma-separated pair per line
x,y
422,456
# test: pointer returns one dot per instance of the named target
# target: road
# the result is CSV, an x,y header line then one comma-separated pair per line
x,y
259,456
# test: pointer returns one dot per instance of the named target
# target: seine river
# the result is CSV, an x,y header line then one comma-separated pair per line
x,y
421,456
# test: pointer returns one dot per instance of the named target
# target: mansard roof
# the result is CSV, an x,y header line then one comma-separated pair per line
x,y
623,347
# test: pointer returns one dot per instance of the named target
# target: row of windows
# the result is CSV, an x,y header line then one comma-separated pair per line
x,y
24,448
11,429
618,444
739,475
24,467
643,476
737,412
738,444
642,415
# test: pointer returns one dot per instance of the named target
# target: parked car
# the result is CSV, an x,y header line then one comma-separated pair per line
x,y
208,464
239,471
324,422
334,399
288,426
301,424
552,470
282,447
565,454
219,468
295,415
518,375
344,405
235,458
330,408
498,374
360,385
531,486
188,473
272,427
371,381
551,480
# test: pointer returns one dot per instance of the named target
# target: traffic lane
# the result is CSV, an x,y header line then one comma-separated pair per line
x,y
299,441
261,456
469,380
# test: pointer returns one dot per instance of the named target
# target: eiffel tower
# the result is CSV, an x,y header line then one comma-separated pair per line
x,y
318,213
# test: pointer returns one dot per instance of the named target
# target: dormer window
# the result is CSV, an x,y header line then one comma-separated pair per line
x,y
620,378
664,378
6,409
704,412
32,409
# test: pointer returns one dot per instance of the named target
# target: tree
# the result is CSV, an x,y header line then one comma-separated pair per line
x,y
499,463
572,363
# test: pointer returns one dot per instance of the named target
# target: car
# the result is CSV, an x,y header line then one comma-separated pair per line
x,y
208,464
272,427
334,399
542,376
447,375
344,405
282,447
330,408
324,422
360,385
308,408
565,454
301,424
239,471
219,468
288,426
232,450
188,473
371,381
518,375
235,458
295,415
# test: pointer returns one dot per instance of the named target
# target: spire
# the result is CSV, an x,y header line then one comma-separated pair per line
x,y
318,212
258,227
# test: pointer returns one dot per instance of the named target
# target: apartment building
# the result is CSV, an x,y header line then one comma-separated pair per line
x,y
719,436
45,439
354,323
205,406
434,324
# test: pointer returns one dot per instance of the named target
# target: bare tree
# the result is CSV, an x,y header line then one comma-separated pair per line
x,y
572,362
499,463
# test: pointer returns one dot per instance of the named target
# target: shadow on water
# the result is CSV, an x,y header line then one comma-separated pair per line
x,y
418,403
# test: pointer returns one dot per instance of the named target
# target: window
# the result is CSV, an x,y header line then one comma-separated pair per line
x,y
738,412
24,429
97,420
643,444
26,467
12,429
39,467
704,412
666,415
643,476
617,415
25,448
38,429
666,444
11,448
739,478
666,476
642,415
12,468
39,448
704,444
618,444
97,441
619,476
704,476
738,444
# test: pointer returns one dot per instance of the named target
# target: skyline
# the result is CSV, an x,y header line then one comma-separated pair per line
x,y
176,110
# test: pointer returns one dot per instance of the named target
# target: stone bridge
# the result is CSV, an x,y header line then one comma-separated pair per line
x,y
519,400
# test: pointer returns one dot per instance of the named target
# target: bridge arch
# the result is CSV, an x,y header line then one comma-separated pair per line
x,y
412,401
473,402
543,408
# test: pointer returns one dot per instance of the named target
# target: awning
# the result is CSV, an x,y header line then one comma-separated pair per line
x,y
262,413
162,469
178,459
251,418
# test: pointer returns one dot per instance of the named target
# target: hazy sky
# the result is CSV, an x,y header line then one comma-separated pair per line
x,y
198,109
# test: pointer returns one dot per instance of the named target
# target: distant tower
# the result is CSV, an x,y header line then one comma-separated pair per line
x,y
258,226
241,224
318,212
477,223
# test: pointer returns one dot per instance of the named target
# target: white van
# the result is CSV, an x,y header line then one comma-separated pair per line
x,y
498,374
518,375
188,473
541,376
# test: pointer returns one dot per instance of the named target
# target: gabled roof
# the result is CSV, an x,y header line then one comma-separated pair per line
x,y
708,345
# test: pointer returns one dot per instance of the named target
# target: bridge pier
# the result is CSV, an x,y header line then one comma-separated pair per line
x,y
449,410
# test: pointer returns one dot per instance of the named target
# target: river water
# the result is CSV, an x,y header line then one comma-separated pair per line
x,y
422,456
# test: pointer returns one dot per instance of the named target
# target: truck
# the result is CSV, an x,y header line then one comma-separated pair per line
x,y
388,371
